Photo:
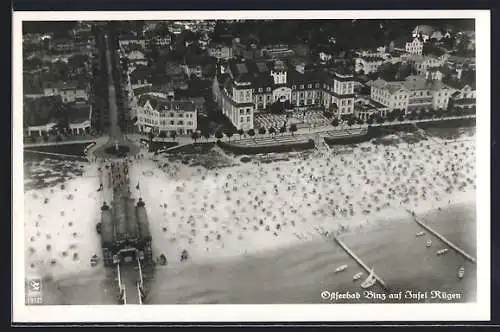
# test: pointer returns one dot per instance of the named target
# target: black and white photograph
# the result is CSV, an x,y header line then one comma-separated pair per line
x,y
200,160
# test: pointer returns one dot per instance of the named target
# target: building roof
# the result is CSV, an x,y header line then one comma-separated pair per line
x,y
140,73
162,104
392,87
147,89
371,58
79,113
459,84
61,85
414,82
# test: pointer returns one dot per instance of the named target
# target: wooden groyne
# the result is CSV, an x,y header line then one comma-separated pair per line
x,y
359,261
445,240
55,154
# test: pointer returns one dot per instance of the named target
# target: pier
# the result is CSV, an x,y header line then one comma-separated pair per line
x,y
359,261
445,240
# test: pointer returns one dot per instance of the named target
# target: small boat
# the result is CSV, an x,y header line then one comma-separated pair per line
x,y
429,243
357,276
461,272
369,281
341,268
441,252
420,234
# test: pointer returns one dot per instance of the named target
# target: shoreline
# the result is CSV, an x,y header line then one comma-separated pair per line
x,y
379,225
357,229
259,278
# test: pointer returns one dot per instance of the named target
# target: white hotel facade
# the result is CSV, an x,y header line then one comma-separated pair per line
x,y
160,114
414,94
243,89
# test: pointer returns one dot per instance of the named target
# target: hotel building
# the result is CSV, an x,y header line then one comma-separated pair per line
x,y
162,114
244,88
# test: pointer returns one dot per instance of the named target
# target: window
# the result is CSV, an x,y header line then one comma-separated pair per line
x,y
172,122
248,119
171,115
294,87
241,119
180,123
241,111
309,86
190,123
302,86
260,89
317,85
181,115
248,111
268,89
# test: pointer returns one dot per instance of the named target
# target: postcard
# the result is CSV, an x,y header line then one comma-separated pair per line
x,y
251,166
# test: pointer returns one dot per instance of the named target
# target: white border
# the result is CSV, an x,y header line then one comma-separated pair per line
x,y
251,313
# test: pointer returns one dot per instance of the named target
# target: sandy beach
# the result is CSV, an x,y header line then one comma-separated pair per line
x,y
261,217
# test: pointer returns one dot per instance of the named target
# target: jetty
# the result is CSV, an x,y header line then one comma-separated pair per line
x,y
353,255
445,240
359,261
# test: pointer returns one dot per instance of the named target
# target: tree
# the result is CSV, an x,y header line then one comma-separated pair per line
x,y
293,128
401,118
33,138
229,133
173,135
151,135
218,135
360,121
206,133
380,119
335,122
195,135
272,130
262,130
58,138
283,130
45,137
350,122
241,132
251,132
162,134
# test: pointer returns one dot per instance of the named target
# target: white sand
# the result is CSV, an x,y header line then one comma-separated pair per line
x,y
48,224
224,213
360,181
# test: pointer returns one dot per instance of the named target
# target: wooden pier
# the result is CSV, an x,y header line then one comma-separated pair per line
x,y
445,240
359,261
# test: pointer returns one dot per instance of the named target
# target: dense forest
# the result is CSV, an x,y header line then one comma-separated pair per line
x,y
340,35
